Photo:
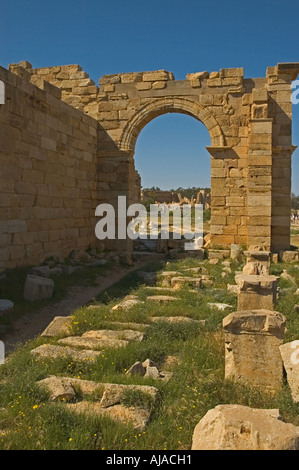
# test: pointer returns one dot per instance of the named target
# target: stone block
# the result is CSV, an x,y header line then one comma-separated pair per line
x,y
157,75
256,291
260,95
38,288
290,356
252,341
238,427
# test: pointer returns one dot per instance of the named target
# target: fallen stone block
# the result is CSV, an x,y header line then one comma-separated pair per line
x,y
152,373
43,271
181,281
6,306
237,427
162,298
58,326
136,369
138,417
92,343
127,335
126,304
38,288
290,357
178,319
218,254
60,389
51,351
289,256
130,325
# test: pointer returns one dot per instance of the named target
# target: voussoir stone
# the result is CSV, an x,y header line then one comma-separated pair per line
x,y
237,427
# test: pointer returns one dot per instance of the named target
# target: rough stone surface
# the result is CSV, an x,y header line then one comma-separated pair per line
x,y
59,326
236,427
149,363
92,342
152,373
136,369
290,356
252,341
161,298
38,288
51,351
289,256
232,289
130,325
58,387
126,304
127,335
138,417
178,319
256,292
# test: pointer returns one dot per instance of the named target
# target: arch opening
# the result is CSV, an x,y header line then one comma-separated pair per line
x,y
172,164
162,106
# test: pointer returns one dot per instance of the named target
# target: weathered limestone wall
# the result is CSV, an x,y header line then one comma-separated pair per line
x,y
82,157
48,188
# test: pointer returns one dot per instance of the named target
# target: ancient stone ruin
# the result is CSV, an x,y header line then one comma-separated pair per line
x,y
68,145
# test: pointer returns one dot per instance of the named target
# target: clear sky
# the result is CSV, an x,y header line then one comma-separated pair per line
x,y
107,37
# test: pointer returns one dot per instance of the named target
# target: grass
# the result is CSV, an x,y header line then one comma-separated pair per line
x,y
12,288
30,421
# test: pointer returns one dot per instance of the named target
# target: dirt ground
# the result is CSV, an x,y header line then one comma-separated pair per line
x,y
31,325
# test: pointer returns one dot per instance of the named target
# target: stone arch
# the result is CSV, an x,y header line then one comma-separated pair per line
x,y
161,106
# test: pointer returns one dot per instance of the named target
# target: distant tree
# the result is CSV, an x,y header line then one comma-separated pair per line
x,y
295,202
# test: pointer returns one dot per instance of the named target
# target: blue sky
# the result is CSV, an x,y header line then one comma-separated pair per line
x,y
182,37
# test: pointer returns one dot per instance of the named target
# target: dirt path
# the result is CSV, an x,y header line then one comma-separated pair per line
x,y
31,325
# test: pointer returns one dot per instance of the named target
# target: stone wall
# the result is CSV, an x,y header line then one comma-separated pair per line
x,y
67,137
48,178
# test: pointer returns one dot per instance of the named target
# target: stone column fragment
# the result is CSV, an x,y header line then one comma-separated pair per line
x,y
256,292
252,341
